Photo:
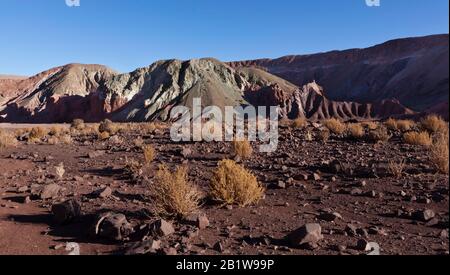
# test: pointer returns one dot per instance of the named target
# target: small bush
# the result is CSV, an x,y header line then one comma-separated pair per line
x,y
103,135
356,130
324,135
172,193
300,123
149,153
78,124
65,139
108,127
396,169
7,139
405,125
309,136
335,126
440,152
416,138
371,125
233,184
242,148
434,124
380,135
56,131
138,142
391,124
60,171
37,134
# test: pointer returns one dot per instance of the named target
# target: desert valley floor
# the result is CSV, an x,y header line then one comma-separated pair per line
x,y
343,184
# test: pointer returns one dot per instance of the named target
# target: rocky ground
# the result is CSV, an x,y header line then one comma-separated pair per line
x,y
341,189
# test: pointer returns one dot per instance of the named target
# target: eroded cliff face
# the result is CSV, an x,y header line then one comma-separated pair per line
x,y
93,92
372,83
413,71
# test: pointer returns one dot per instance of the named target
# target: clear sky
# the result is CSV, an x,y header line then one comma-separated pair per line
x,y
125,34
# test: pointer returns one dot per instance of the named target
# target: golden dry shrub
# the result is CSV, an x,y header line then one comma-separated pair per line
x,y
78,124
233,184
391,124
55,131
300,123
309,136
434,124
66,139
396,168
324,135
405,125
103,135
371,125
149,153
7,139
356,130
53,140
439,152
335,126
242,148
107,126
37,134
380,135
148,127
416,138
173,194
138,142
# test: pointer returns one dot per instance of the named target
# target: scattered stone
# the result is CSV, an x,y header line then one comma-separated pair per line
x,y
163,228
425,215
112,226
103,193
27,200
281,185
308,234
356,192
202,222
317,177
169,251
23,189
95,154
50,191
186,152
330,216
350,229
66,212
363,245
219,247
143,248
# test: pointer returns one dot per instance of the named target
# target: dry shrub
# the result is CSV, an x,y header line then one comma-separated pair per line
x,y
7,139
138,142
440,152
103,135
356,130
335,125
434,124
56,131
108,126
173,194
90,130
391,124
324,135
380,135
242,148
405,125
396,169
233,184
416,138
371,125
300,123
60,171
309,136
78,124
65,139
37,134
53,140
149,153
148,127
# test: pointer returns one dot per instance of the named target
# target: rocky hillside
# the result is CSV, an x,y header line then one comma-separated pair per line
x,y
94,92
413,71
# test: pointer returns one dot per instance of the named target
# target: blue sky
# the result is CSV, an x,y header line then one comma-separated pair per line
x,y
126,34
